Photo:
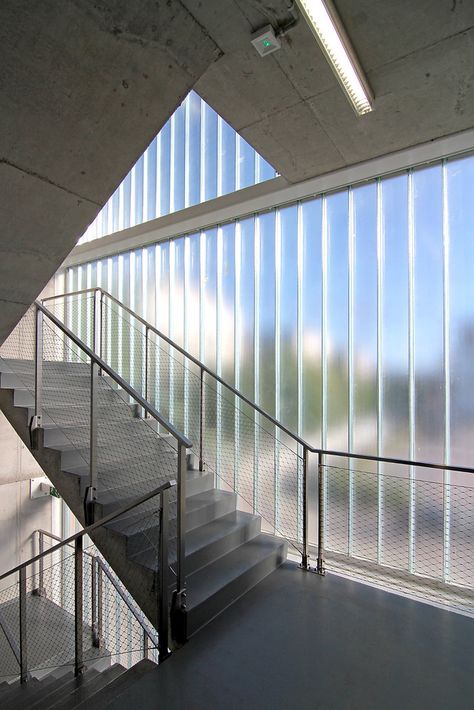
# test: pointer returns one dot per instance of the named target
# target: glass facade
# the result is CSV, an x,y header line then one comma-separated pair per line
x,y
195,157
350,317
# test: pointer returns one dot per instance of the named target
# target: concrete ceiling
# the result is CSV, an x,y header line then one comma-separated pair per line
x,y
86,84
418,56
84,87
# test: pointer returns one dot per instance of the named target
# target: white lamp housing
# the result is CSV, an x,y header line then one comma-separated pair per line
x,y
322,17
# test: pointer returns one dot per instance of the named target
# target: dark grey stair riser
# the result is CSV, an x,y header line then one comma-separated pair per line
x,y
87,689
137,541
28,699
215,604
206,554
223,545
62,691
114,689
194,486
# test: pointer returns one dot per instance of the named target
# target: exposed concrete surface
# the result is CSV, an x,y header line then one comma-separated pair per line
x,y
418,57
85,85
16,461
307,642
19,518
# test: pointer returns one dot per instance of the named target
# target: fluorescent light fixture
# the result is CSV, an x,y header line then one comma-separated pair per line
x,y
327,27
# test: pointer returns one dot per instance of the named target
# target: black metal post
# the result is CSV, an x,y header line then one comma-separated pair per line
x,y
78,607
320,569
163,602
305,554
201,421
23,632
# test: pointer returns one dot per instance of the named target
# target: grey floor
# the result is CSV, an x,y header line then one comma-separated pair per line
x,y
302,641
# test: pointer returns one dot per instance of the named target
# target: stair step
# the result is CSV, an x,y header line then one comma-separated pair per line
x,y
87,689
212,588
30,696
60,437
15,689
111,691
108,499
210,541
61,689
200,509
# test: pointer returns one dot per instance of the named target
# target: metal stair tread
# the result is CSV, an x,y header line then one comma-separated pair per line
x,y
202,537
13,689
89,688
27,692
61,689
103,698
207,581
134,522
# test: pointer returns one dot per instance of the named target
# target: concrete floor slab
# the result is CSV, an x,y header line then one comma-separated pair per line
x,y
302,641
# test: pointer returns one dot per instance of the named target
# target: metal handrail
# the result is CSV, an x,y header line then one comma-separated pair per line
x,y
181,438
306,447
90,528
299,440
77,539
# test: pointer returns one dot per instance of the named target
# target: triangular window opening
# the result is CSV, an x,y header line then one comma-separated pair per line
x,y
195,157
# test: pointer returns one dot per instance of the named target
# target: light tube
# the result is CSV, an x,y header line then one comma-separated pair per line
x,y
327,27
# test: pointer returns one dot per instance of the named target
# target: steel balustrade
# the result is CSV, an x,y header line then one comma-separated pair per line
x,y
100,295
76,541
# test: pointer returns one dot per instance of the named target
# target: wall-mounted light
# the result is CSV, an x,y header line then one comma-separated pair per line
x,y
329,31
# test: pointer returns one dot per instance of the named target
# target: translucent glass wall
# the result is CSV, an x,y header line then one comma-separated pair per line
x,y
349,316
195,157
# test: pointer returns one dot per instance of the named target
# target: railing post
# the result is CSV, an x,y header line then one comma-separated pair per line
x,y
305,554
23,632
163,603
40,590
178,620
92,487
201,421
96,603
320,569
147,335
36,431
78,607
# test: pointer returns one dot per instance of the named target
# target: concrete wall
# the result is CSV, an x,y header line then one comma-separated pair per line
x,y
19,515
85,87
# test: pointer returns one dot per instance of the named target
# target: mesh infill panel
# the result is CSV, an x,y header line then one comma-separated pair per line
x,y
244,450
113,624
408,533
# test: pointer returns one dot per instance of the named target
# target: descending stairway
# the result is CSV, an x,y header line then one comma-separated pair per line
x,y
94,690
226,552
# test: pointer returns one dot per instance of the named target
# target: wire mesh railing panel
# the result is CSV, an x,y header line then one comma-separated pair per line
x,y
9,631
244,450
65,389
111,622
249,455
411,534
123,344
77,313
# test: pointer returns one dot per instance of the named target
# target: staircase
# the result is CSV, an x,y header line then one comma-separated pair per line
x,y
61,690
225,551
